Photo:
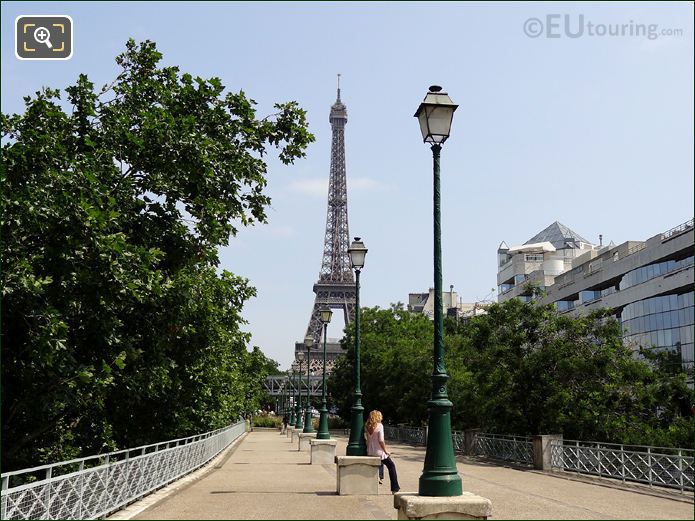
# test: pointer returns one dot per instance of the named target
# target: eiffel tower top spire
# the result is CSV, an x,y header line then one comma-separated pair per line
x,y
338,118
335,266
336,285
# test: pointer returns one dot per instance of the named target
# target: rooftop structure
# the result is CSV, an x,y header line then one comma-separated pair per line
x,y
538,261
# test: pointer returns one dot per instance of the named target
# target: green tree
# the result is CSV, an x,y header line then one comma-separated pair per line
x,y
530,370
396,352
521,369
117,326
533,371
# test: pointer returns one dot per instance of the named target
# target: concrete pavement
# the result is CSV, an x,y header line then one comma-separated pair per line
x,y
266,477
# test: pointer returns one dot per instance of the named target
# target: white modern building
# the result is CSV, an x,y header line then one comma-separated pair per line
x,y
648,286
451,305
538,261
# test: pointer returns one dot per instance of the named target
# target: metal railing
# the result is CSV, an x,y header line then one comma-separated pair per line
x,y
507,448
497,446
89,488
415,435
678,229
656,466
459,439
661,466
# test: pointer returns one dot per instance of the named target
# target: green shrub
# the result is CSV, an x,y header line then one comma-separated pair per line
x,y
336,422
267,421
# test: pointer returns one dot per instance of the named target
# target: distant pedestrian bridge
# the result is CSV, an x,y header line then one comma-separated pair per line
x,y
282,385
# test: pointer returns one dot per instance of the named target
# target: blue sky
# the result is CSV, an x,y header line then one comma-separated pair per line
x,y
595,131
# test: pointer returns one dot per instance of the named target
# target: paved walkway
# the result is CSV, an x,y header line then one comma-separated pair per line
x,y
265,477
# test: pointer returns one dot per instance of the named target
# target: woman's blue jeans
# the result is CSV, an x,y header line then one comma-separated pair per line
x,y
393,476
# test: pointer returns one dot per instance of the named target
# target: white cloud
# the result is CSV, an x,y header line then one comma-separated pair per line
x,y
318,187
313,186
364,184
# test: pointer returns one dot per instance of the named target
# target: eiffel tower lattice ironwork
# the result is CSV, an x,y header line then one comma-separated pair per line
x,y
336,285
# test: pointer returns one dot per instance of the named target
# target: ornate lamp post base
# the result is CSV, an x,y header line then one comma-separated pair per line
x,y
440,476
308,424
356,445
298,419
323,433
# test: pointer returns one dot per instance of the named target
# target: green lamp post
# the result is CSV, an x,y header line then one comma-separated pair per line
x,y
439,475
290,398
325,314
298,423
357,446
293,399
284,398
308,423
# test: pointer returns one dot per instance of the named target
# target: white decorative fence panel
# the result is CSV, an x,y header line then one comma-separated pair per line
x,y
660,466
508,448
89,488
656,466
415,435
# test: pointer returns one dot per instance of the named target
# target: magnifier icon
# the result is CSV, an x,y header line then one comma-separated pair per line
x,y
42,35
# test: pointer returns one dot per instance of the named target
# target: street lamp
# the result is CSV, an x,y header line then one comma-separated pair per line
x,y
293,420
356,446
325,314
298,419
308,423
286,394
291,399
439,475
285,397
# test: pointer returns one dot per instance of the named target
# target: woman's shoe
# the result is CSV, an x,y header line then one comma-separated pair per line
x,y
381,482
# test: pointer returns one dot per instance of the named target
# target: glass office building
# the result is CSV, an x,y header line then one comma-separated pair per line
x,y
648,286
664,323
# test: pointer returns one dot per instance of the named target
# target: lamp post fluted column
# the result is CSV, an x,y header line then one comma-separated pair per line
x,y
286,407
281,402
295,389
298,408
291,400
356,445
308,423
323,433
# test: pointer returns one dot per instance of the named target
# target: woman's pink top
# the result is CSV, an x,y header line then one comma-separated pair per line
x,y
373,439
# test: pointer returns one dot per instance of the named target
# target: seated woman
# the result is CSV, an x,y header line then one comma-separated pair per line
x,y
374,432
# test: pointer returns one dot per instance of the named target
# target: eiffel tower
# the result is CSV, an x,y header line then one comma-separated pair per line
x,y
336,285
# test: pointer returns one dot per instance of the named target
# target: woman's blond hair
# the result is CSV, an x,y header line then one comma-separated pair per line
x,y
374,418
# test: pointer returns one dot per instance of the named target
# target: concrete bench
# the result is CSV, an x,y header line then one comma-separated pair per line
x,y
357,475
322,451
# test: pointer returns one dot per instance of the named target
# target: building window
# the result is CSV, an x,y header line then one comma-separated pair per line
x,y
664,322
564,305
645,273
589,295
533,257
